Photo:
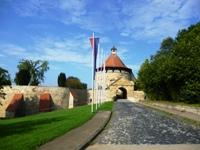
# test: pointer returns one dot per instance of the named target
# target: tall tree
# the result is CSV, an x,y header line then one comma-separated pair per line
x,y
22,77
167,44
4,80
35,68
62,80
4,77
173,73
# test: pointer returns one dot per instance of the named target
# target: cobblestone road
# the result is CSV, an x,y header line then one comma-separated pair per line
x,y
135,124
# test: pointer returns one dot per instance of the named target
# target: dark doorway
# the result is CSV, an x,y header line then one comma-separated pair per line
x,y
122,93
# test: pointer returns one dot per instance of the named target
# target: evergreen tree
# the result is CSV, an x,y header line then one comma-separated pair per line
x,y
62,80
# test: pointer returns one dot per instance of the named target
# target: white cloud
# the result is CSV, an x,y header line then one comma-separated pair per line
x,y
105,39
75,50
122,52
145,19
55,67
3,65
33,7
64,51
155,19
11,49
76,8
86,14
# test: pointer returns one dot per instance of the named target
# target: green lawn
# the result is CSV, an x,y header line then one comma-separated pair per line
x,y
106,106
29,132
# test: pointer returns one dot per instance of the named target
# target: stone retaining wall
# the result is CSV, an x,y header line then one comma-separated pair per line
x,y
182,108
60,97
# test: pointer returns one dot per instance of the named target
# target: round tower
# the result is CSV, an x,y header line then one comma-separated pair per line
x,y
119,78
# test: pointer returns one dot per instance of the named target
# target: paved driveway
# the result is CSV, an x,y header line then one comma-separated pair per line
x,y
135,124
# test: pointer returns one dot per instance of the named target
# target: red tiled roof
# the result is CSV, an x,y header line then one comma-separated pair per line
x,y
45,102
114,61
16,102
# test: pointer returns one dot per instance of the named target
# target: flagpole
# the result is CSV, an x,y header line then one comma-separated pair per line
x,y
99,77
104,77
100,64
102,82
97,81
100,57
92,109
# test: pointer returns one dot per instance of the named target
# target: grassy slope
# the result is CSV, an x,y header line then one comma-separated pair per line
x,y
106,106
28,132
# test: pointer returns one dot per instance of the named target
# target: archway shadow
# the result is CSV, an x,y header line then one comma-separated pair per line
x,y
121,94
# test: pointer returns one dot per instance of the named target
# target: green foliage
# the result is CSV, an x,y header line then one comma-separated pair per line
x,y
22,77
4,80
36,69
167,44
62,80
4,77
70,82
75,83
173,73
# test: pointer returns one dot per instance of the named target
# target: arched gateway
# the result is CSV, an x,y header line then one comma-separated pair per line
x,y
121,93
118,77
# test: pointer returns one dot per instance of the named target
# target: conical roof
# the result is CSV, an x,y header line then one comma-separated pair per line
x,y
113,61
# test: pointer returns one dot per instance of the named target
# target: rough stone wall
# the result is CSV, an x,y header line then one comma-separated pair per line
x,y
80,96
114,75
116,79
124,83
134,96
111,76
137,96
60,97
105,98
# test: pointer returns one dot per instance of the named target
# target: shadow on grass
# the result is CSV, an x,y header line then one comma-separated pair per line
x,y
26,126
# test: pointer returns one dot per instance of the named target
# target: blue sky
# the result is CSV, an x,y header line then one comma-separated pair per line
x,y
58,31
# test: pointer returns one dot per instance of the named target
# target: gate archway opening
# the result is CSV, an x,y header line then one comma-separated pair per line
x,y
121,93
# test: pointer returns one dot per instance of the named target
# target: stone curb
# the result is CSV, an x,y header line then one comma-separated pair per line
x,y
185,114
97,132
80,137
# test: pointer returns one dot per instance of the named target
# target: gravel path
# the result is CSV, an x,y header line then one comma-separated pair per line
x,y
135,124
